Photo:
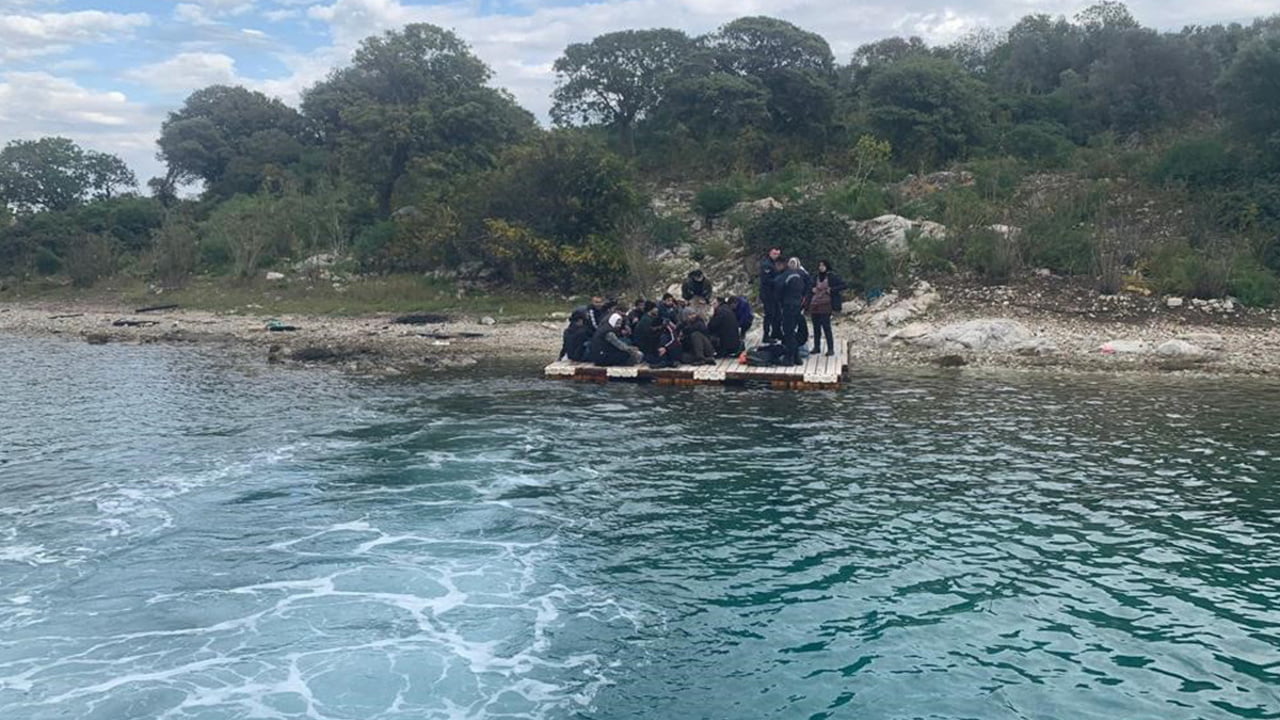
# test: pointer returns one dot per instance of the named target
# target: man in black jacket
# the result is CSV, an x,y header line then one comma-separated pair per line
x,y
723,330
792,288
576,337
696,286
645,332
769,295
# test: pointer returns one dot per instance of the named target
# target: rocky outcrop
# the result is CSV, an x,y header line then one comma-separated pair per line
x,y
889,311
918,186
892,232
983,335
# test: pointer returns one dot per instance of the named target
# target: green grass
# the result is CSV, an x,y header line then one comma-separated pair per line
x,y
369,296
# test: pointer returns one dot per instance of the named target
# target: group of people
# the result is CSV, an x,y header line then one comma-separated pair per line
x,y
698,328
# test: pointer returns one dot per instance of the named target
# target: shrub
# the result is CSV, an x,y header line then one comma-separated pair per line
x,y
1042,143
1254,285
667,231
713,200
375,246
931,253
176,251
89,260
804,230
860,201
993,255
1200,163
876,270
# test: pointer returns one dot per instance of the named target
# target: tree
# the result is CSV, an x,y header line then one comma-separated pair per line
x,y
929,109
107,174
226,136
413,100
617,78
795,66
55,174
1250,90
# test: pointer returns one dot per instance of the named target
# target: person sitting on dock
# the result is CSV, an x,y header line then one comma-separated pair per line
x,y
698,349
608,347
598,311
576,337
742,311
636,312
669,308
645,332
668,352
696,287
723,329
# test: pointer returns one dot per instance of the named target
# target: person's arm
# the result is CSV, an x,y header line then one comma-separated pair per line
x,y
836,282
686,290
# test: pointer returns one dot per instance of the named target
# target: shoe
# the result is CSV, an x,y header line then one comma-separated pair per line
x,y
831,353
816,349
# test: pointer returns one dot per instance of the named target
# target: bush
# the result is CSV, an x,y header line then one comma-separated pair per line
x,y
1199,163
715,199
176,250
806,231
993,255
930,253
1042,143
860,201
89,260
375,247
666,231
1254,285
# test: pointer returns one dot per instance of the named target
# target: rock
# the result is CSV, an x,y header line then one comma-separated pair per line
x,y
755,208
891,232
1206,340
1044,273
486,320
911,333
275,276
951,361
97,338
1036,347
316,262
982,335
1125,347
1182,350
1173,302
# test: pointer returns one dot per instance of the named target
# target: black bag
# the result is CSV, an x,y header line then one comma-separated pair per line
x,y
766,355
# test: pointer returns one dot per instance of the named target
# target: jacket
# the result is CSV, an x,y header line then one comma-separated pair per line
x,y
696,288
792,288
742,310
835,290
646,334
768,274
575,342
723,329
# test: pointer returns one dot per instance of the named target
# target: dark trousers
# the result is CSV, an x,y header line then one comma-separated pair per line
x,y
744,329
772,320
792,322
822,324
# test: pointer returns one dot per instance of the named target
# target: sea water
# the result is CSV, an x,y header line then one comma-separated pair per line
x,y
184,535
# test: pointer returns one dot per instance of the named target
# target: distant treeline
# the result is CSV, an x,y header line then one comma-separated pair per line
x,y
407,159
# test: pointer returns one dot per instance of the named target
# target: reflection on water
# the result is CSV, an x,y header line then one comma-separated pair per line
x,y
184,539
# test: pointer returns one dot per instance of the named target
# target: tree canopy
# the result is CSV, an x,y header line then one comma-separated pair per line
x,y
54,173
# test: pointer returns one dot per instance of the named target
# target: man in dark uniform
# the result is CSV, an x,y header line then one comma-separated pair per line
x,y
792,288
769,295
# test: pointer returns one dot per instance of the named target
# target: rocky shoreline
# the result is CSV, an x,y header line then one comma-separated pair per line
x,y
1040,325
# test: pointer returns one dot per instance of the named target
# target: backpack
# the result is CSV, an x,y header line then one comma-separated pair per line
x,y
765,355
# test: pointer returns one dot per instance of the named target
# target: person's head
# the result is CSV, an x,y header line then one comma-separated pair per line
x,y
650,307
697,274
794,264
775,253
638,303
597,301
779,264
824,267
615,321
668,299
726,300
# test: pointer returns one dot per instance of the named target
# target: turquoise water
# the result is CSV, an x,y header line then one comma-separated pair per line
x,y
183,536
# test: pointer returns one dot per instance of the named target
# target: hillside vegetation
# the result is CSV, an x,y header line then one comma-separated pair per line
x,y
1090,146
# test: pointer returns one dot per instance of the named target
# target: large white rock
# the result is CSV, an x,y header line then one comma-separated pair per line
x,y
1206,340
982,335
1182,350
275,276
890,232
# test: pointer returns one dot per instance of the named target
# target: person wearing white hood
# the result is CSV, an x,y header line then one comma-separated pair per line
x,y
607,346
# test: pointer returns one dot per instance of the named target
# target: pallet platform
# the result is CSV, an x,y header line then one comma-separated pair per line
x,y
819,372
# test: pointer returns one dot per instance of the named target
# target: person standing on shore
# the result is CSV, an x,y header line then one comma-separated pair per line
x,y
769,295
824,299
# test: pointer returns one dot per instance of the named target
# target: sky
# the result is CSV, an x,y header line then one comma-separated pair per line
x,y
106,72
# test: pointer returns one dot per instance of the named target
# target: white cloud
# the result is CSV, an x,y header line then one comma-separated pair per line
x,y
187,71
36,104
28,35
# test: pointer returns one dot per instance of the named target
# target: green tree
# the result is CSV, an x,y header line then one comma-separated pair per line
x,y
226,136
413,101
1250,90
617,78
55,174
929,109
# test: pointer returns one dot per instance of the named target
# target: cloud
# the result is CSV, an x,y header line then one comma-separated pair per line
x,y
37,104
29,35
187,71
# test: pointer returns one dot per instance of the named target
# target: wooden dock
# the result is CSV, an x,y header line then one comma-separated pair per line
x,y
819,372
